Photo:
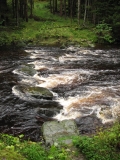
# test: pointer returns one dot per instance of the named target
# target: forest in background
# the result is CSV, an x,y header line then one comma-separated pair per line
x,y
102,15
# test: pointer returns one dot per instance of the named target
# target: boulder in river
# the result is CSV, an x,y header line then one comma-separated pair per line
x,y
28,69
38,92
88,124
29,92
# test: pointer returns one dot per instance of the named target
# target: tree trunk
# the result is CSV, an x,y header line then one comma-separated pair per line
x,y
31,7
79,2
55,6
71,10
69,7
85,12
61,7
51,6
16,12
65,8
13,8
94,12
3,4
25,11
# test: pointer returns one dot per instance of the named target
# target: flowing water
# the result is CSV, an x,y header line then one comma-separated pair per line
x,y
84,83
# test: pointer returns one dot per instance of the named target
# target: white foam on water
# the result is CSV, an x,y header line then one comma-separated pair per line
x,y
19,72
39,65
33,56
71,58
29,81
74,107
54,80
71,108
100,100
20,94
105,116
71,115
29,50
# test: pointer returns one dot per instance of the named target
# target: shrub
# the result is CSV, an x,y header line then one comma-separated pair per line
x,y
104,33
103,146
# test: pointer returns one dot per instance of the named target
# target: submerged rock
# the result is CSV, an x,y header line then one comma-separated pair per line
x,y
38,92
55,132
88,124
33,92
28,69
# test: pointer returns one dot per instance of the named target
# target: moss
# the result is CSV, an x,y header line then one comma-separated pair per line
x,y
28,69
8,154
39,90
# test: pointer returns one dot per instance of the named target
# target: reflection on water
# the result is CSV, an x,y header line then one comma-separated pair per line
x,y
83,82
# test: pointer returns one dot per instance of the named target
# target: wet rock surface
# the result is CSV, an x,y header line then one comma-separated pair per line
x,y
59,132
37,92
88,124
27,69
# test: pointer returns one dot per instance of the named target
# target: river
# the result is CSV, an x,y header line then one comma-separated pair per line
x,y
85,84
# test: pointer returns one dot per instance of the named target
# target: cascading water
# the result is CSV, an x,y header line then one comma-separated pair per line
x,y
83,82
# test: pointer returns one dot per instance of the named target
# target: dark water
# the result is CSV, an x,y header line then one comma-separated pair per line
x,y
85,84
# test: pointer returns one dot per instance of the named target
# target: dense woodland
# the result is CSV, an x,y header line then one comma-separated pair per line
x,y
106,13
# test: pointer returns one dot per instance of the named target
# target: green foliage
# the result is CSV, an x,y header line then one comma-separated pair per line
x,y
33,151
8,148
9,140
4,39
14,148
44,28
104,33
58,153
103,146
116,31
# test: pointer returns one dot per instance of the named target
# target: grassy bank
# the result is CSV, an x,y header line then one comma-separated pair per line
x,y
13,148
45,28
105,145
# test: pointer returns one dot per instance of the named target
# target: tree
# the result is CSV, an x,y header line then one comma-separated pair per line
x,y
31,7
3,4
79,2
85,12
61,7
65,8
16,12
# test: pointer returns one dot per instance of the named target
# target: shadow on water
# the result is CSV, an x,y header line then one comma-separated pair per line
x,y
83,83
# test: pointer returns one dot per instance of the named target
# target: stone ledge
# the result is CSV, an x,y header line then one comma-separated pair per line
x,y
55,132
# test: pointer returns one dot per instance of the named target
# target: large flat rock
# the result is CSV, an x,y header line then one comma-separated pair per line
x,y
59,132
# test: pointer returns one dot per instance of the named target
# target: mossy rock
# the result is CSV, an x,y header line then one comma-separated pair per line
x,y
28,69
38,92
59,132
